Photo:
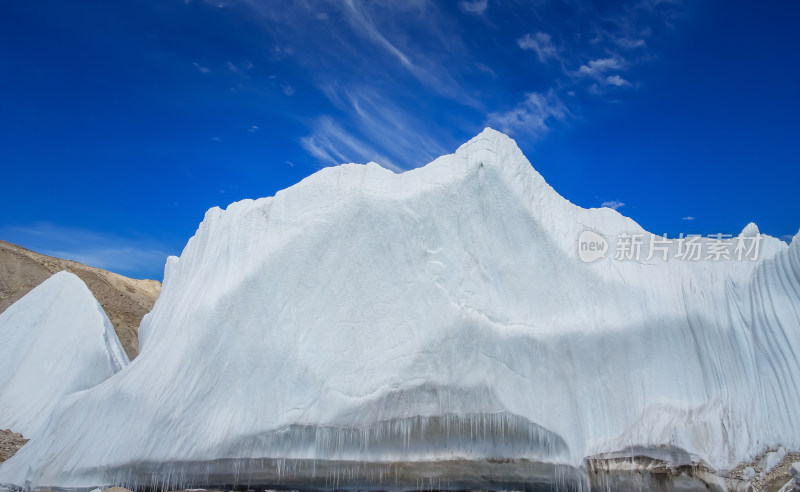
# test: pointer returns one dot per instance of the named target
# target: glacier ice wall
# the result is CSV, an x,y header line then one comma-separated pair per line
x,y
54,341
438,314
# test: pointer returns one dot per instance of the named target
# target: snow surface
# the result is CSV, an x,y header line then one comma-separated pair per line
x,y
54,341
438,314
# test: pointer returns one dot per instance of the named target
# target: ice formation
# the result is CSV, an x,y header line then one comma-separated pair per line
x,y
362,318
54,341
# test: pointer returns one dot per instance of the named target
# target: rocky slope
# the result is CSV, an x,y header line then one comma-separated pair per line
x,y
10,442
125,300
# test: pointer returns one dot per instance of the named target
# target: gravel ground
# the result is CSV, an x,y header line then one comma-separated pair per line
x,y
10,442
770,481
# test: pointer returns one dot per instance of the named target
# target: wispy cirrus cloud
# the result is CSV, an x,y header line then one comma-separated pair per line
x,y
341,51
201,68
131,256
380,122
241,68
541,43
359,16
474,6
534,115
341,29
332,145
446,66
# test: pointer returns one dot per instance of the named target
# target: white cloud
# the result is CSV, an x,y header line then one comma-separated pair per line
x,y
241,68
610,40
654,4
136,257
253,129
486,69
474,6
617,81
688,218
541,43
201,68
631,43
615,204
281,52
597,70
533,115
287,89
596,67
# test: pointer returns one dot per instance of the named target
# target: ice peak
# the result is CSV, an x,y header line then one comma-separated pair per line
x,y
491,132
750,230
493,149
54,341
489,144
64,279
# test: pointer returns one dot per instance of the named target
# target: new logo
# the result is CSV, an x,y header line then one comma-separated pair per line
x,y
591,246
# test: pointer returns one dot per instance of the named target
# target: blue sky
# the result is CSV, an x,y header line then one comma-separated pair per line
x,y
123,121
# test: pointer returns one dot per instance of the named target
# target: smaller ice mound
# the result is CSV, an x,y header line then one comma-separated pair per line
x,y
55,341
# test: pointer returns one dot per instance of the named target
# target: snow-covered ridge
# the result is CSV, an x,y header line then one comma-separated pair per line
x,y
54,341
362,315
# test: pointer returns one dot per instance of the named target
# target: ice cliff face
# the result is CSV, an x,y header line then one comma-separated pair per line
x,y
438,314
54,341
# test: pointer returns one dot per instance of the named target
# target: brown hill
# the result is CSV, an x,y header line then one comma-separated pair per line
x,y
125,300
